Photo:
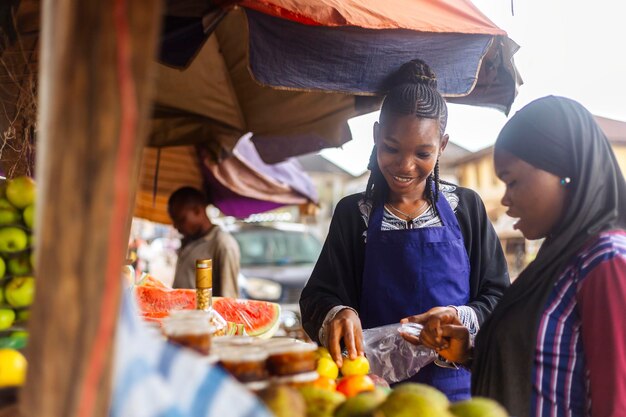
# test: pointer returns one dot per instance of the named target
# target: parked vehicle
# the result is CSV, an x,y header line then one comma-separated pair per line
x,y
276,261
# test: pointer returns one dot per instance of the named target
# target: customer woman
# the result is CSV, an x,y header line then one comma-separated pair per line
x,y
411,244
556,343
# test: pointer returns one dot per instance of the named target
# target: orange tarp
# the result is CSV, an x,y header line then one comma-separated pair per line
x,y
454,16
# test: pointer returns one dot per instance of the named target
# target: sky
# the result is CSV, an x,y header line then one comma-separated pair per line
x,y
571,48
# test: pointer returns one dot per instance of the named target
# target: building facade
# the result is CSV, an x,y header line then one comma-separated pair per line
x,y
476,171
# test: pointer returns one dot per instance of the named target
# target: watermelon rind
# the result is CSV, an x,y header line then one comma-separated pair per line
x,y
272,330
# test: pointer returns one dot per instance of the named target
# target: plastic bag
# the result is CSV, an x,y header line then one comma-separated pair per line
x,y
392,357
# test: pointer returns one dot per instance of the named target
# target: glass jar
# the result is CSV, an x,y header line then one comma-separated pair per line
x,y
290,357
246,364
190,328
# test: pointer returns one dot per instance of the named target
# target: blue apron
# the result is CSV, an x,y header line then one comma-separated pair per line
x,y
408,272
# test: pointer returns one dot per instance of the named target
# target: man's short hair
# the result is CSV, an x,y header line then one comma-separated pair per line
x,y
187,196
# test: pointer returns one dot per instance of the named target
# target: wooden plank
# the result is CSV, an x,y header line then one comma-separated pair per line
x,y
95,89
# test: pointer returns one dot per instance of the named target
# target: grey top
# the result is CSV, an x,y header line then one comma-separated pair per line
x,y
219,246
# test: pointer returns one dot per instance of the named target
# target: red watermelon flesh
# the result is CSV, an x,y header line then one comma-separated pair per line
x,y
258,317
161,300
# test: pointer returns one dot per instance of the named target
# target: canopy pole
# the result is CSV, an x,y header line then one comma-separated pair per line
x,y
95,88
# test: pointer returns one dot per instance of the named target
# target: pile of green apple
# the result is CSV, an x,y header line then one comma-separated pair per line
x,y
17,282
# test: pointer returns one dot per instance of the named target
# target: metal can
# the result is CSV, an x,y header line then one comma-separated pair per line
x,y
204,284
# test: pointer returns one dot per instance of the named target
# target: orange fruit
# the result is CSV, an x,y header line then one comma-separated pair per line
x,y
353,384
325,383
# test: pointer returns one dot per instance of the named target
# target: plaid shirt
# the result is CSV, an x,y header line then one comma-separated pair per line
x,y
580,357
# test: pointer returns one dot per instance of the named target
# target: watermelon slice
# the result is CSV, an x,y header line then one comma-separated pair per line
x,y
153,299
150,281
260,318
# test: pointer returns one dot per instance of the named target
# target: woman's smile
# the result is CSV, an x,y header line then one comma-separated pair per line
x,y
402,180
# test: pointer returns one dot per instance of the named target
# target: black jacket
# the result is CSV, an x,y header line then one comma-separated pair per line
x,y
337,276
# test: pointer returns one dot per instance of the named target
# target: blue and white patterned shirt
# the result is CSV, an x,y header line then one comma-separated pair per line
x,y
154,378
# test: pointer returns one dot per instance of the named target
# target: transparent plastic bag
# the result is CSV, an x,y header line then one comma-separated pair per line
x,y
392,357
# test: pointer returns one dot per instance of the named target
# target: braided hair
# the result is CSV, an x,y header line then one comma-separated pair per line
x,y
413,90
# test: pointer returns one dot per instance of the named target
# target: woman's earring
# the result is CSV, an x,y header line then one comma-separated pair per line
x,y
565,181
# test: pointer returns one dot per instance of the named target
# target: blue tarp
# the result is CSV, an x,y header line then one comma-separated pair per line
x,y
356,60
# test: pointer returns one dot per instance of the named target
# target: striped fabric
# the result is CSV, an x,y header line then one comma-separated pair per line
x,y
561,374
153,378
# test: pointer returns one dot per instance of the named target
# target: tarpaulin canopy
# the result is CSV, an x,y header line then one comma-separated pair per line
x,y
293,72
352,46
323,59
239,185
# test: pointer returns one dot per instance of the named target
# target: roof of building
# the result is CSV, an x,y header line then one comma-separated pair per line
x,y
453,153
614,130
319,164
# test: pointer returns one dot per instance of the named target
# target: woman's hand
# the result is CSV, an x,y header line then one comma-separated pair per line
x,y
345,326
456,346
432,320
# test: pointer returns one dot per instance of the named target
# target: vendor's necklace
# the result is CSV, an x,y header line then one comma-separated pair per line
x,y
407,215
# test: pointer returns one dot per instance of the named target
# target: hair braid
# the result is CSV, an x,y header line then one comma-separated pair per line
x,y
376,182
437,182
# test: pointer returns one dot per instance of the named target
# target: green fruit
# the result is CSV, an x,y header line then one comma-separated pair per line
x,y
410,404
23,315
7,317
361,405
283,401
478,407
29,216
432,394
320,402
21,192
19,266
8,213
13,239
19,334
3,270
20,291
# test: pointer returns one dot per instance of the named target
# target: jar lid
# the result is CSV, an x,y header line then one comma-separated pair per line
x,y
257,385
241,354
182,325
233,341
291,347
297,378
183,314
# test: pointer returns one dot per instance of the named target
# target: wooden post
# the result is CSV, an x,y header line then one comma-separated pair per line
x,y
95,85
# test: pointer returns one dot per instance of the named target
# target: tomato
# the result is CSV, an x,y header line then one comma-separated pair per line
x,y
353,384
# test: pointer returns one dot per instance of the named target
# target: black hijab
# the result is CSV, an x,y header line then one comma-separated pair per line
x,y
560,136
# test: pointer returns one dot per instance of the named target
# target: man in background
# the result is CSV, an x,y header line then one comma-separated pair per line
x,y
202,240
